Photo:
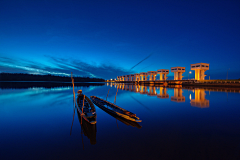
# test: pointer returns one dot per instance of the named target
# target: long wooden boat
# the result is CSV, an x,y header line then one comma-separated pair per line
x,y
88,111
114,109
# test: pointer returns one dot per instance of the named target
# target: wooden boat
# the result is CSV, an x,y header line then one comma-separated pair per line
x,y
114,109
87,111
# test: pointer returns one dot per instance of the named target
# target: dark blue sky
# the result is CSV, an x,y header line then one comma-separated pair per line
x,y
107,38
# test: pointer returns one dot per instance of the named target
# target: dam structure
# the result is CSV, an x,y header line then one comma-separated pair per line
x,y
178,71
151,77
200,69
163,74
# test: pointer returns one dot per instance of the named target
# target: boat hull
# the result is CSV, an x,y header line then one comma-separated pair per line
x,y
100,105
89,106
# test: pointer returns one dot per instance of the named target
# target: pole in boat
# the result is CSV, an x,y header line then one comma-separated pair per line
x,y
73,88
107,94
82,107
115,96
74,102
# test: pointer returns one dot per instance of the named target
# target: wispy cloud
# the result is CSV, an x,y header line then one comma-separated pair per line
x,y
61,66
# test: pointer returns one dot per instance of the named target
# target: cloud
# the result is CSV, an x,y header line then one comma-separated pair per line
x,y
61,66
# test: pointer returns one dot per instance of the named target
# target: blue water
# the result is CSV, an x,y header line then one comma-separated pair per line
x,y
35,123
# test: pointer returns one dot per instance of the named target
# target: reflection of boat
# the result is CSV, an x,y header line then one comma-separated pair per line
x,y
123,120
114,109
89,130
86,108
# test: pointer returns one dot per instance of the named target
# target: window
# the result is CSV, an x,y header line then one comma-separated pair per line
x,y
198,66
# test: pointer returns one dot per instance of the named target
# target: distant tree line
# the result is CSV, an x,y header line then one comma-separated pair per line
x,y
25,85
49,77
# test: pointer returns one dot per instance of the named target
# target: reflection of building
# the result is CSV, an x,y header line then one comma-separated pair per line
x,y
178,71
136,88
200,100
152,91
130,88
126,87
143,90
178,97
200,68
123,86
163,93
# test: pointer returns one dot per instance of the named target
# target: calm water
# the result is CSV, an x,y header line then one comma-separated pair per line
x,y
177,123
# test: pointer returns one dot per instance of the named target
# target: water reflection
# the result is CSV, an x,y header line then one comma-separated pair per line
x,y
38,121
142,89
152,91
162,93
200,100
89,130
178,97
124,121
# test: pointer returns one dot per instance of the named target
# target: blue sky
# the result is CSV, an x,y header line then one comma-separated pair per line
x,y
107,38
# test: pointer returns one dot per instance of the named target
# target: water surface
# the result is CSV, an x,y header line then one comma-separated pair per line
x,y
177,123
